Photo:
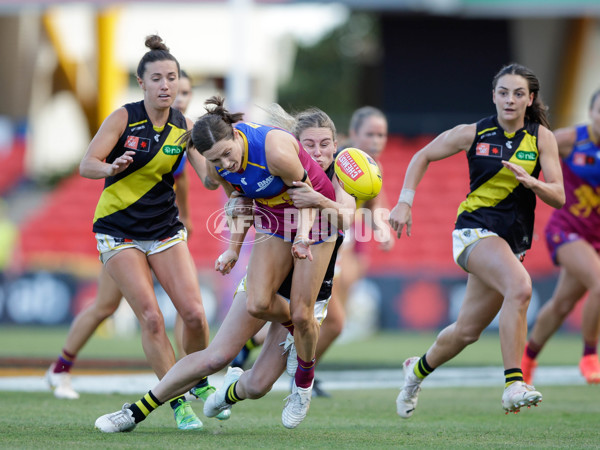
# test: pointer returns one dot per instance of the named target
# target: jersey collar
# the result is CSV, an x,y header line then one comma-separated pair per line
x,y
593,136
245,151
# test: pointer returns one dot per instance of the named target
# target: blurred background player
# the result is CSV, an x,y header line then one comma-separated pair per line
x,y
494,227
108,295
368,131
182,101
573,239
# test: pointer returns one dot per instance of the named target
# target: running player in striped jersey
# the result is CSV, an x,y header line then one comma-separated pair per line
x,y
137,226
573,238
493,229
108,295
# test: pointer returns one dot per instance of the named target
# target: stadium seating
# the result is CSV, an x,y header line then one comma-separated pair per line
x,y
12,162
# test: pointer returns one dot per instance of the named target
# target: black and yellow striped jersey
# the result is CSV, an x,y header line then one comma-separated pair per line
x,y
497,201
139,203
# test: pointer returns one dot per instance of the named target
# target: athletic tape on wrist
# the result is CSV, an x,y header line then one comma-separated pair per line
x,y
407,196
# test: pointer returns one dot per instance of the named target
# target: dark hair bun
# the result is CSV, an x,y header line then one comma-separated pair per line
x,y
155,42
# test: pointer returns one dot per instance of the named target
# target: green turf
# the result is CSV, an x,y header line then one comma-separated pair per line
x,y
445,418
380,350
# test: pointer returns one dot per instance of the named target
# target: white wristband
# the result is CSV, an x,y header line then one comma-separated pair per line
x,y
407,196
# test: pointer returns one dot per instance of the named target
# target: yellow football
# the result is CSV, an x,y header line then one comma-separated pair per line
x,y
358,173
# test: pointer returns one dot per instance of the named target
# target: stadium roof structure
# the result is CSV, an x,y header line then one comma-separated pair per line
x,y
479,8
467,8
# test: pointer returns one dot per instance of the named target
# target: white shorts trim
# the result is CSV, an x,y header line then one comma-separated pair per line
x,y
462,243
108,246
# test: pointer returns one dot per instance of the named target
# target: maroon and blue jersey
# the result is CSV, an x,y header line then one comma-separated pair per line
x,y
579,218
254,179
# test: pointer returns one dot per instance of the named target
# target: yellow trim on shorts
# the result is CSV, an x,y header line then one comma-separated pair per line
x,y
170,241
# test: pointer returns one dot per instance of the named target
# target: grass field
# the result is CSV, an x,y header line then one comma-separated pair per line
x,y
445,418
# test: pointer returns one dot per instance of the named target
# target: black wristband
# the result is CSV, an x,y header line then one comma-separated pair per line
x,y
302,180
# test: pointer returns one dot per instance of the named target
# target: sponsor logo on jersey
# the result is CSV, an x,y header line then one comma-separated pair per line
x,y
485,149
137,143
172,149
263,184
526,156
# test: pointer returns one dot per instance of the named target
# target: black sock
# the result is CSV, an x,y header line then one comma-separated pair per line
x,y
144,406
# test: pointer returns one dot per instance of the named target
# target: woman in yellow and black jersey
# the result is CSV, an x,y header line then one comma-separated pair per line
x,y
136,151
506,153
497,200
148,180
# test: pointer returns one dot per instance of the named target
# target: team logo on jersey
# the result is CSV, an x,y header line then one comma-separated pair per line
x,y
137,143
172,149
485,149
526,156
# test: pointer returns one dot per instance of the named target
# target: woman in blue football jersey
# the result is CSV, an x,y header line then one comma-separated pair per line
x,y
262,163
506,153
312,125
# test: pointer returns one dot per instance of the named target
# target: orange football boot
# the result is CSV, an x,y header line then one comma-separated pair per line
x,y
590,368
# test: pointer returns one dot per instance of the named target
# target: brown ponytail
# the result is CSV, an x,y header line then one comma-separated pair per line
x,y
214,126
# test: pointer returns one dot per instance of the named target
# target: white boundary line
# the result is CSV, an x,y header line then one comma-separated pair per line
x,y
329,380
